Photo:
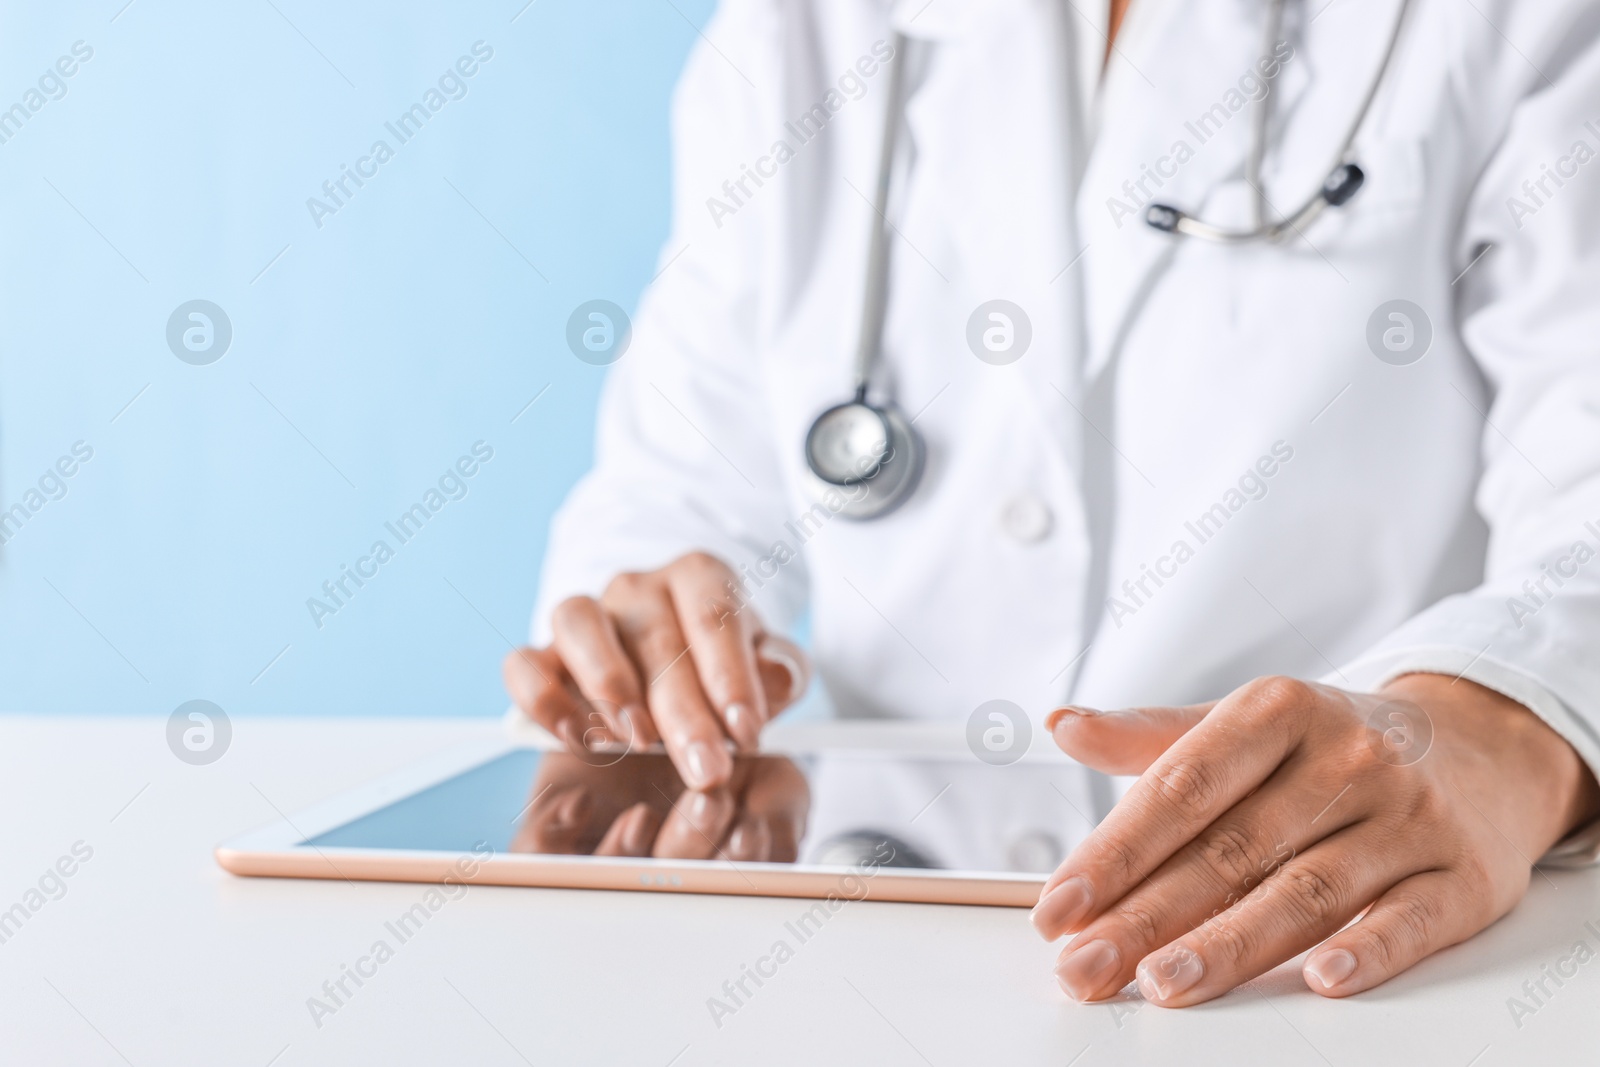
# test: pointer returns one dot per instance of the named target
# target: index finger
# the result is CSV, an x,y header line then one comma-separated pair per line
x,y
721,633
647,623
1229,753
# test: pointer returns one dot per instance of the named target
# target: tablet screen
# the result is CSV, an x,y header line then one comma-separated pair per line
x,y
833,809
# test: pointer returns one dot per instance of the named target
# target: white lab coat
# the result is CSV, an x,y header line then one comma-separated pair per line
x,y
1407,505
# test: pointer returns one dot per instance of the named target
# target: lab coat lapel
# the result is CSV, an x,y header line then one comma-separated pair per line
x,y
989,126
1175,128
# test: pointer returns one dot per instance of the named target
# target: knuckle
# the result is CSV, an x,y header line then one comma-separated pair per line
x,y
1402,936
1316,893
1229,941
628,585
1387,945
1282,689
658,643
615,684
1409,808
1122,862
1232,853
709,612
1278,694
699,564
1416,916
1138,923
1429,806
1489,894
1192,786
571,610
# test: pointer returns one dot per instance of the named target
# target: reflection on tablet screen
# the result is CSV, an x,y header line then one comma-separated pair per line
x,y
823,809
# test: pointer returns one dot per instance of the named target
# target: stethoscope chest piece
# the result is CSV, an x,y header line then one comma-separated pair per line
x,y
863,460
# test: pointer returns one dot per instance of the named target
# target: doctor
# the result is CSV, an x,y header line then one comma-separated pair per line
x,y
1236,364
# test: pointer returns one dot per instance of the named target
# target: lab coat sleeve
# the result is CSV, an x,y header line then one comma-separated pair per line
x,y
684,456
1529,313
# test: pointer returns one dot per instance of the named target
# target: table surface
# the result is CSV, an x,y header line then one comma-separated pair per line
x,y
151,954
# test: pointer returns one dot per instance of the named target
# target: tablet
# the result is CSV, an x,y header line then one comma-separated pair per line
x,y
830,814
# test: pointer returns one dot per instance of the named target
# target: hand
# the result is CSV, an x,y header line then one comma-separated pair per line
x,y
671,655
1264,823
637,806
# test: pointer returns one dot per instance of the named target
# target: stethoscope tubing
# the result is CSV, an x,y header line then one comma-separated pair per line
x,y
1169,219
876,299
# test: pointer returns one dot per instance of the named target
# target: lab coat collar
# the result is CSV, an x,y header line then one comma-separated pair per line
x,y
945,20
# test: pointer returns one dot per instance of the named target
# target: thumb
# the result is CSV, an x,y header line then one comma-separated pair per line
x,y
1121,742
784,669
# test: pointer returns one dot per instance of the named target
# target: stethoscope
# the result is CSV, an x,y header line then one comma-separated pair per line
x,y
865,458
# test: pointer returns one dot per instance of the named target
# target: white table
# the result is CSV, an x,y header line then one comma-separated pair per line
x,y
156,956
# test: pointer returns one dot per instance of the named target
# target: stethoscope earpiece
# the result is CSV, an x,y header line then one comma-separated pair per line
x,y
1345,181
1163,217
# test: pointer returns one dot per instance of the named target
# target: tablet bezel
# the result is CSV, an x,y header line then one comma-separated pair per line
x,y
277,851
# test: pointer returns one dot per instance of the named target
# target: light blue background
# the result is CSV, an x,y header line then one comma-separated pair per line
x,y
179,563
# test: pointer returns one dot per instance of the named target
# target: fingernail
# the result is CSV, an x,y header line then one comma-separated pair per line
x,y
570,810
1331,967
1083,971
1062,906
743,725
698,803
1171,974
695,758
1056,716
749,841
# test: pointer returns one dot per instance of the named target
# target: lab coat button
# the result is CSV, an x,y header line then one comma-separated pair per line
x,y
1035,852
1026,518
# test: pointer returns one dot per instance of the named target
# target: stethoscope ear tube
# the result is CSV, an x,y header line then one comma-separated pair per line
x,y
1344,180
